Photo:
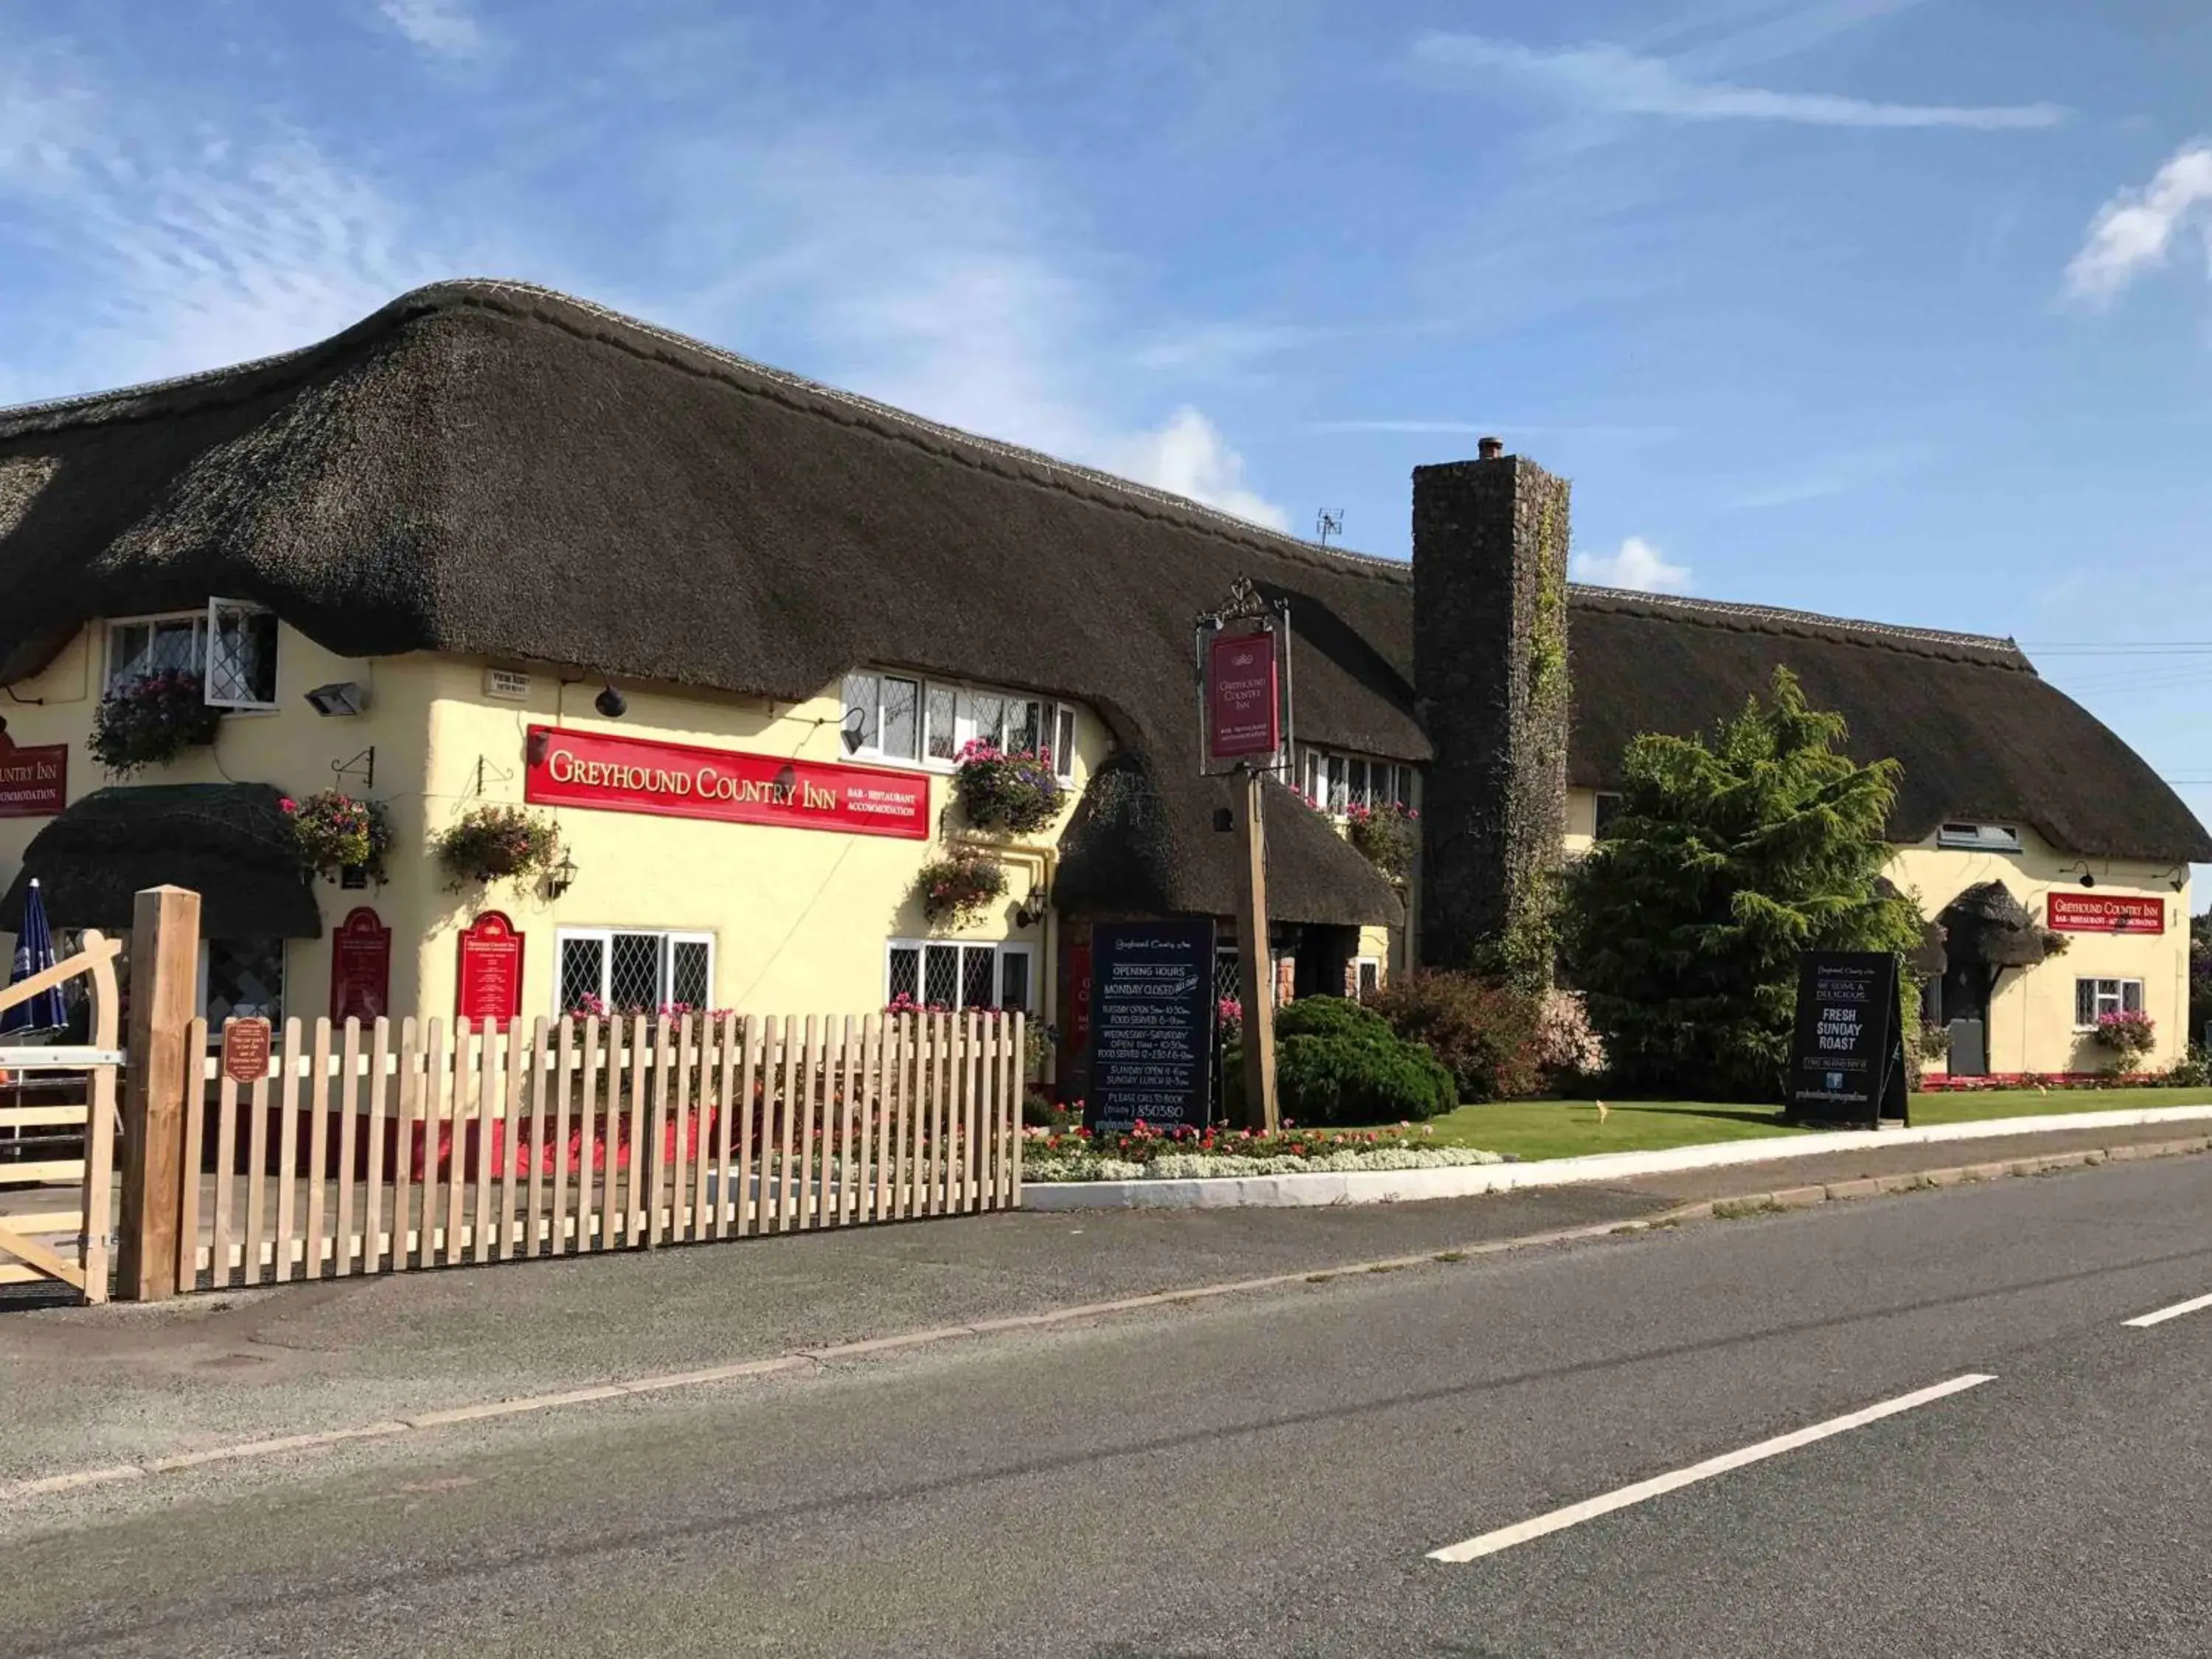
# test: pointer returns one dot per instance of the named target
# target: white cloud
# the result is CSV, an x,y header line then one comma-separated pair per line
x,y
1638,565
2135,230
443,27
1620,82
168,257
1189,457
939,292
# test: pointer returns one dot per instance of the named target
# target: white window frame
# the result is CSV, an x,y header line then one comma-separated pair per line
x,y
2122,996
198,620
664,967
1000,950
1964,837
1360,967
218,608
1598,799
1059,723
1335,780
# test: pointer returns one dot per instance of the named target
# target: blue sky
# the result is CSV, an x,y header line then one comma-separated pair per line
x,y
1896,309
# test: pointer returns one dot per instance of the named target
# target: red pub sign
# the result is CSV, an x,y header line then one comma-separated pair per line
x,y
683,780
488,991
2105,912
34,781
1243,710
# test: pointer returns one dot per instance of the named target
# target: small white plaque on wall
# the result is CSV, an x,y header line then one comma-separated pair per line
x,y
507,684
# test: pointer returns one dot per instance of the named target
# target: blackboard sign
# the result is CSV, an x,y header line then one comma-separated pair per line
x,y
1152,1024
1847,1063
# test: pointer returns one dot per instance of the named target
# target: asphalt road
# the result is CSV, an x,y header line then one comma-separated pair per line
x,y
1268,1475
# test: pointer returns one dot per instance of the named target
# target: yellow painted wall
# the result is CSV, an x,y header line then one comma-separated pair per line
x,y
292,747
2032,1015
800,917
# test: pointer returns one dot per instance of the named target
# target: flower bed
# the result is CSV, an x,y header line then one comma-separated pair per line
x,y
1149,1154
1936,1084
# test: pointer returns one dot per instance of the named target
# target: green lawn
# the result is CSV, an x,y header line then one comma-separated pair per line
x,y
1568,1128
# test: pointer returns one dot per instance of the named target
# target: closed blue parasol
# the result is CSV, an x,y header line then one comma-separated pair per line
x,y
34,954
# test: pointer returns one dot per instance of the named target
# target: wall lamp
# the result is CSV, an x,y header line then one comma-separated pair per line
x,y
611,703
339,697
560,877
2088,880
853,730
1031,910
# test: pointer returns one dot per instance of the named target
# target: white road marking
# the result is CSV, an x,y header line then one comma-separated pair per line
x,y
1575,1514
2164,1314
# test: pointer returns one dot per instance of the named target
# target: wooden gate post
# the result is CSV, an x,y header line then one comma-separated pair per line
x,y
165,946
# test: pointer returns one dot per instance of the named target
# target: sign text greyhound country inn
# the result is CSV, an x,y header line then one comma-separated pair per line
x,y
682,780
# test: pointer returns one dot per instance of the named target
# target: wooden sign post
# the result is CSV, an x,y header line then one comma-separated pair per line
x,y
1243,699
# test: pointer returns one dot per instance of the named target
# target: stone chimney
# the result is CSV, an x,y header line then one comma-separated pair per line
x,y
1490,683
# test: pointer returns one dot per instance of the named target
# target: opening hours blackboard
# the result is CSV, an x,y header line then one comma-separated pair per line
x,y
1152,1024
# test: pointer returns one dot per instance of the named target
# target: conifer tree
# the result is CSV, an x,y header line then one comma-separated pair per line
x,y
1729,855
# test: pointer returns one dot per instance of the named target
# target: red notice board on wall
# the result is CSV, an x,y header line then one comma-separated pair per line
x,y
361,967
488,988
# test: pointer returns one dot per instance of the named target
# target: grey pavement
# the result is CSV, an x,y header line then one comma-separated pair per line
x,y
84,1388
1265,1475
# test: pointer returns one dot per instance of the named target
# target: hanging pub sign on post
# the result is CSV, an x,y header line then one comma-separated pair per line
x,y
1847,1058
1245,725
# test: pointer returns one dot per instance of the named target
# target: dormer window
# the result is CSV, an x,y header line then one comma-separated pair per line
x,y
1979,837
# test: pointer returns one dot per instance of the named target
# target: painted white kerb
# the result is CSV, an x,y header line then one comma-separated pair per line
x,y
1467,1180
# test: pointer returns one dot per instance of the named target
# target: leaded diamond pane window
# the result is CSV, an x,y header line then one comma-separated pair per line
x,y
940,975
583,971
245,980
634,971
689,981
241,656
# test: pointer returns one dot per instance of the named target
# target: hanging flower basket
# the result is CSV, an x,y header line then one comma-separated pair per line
x,y
338,832
149,721
956,889
498,843
1386,835
1013,793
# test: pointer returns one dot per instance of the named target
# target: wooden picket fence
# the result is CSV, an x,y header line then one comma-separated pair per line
x,y
390,1148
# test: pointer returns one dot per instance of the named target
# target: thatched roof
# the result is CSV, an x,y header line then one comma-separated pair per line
x,y
1980,733
229,842
492,468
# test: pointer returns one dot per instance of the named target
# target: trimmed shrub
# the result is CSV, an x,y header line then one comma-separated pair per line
x,y
1337,1063
1483,1031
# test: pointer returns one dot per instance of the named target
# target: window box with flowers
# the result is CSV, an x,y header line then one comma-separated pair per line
x,y
338,832
956,889
1386,835
1014,792
498,843
149,720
